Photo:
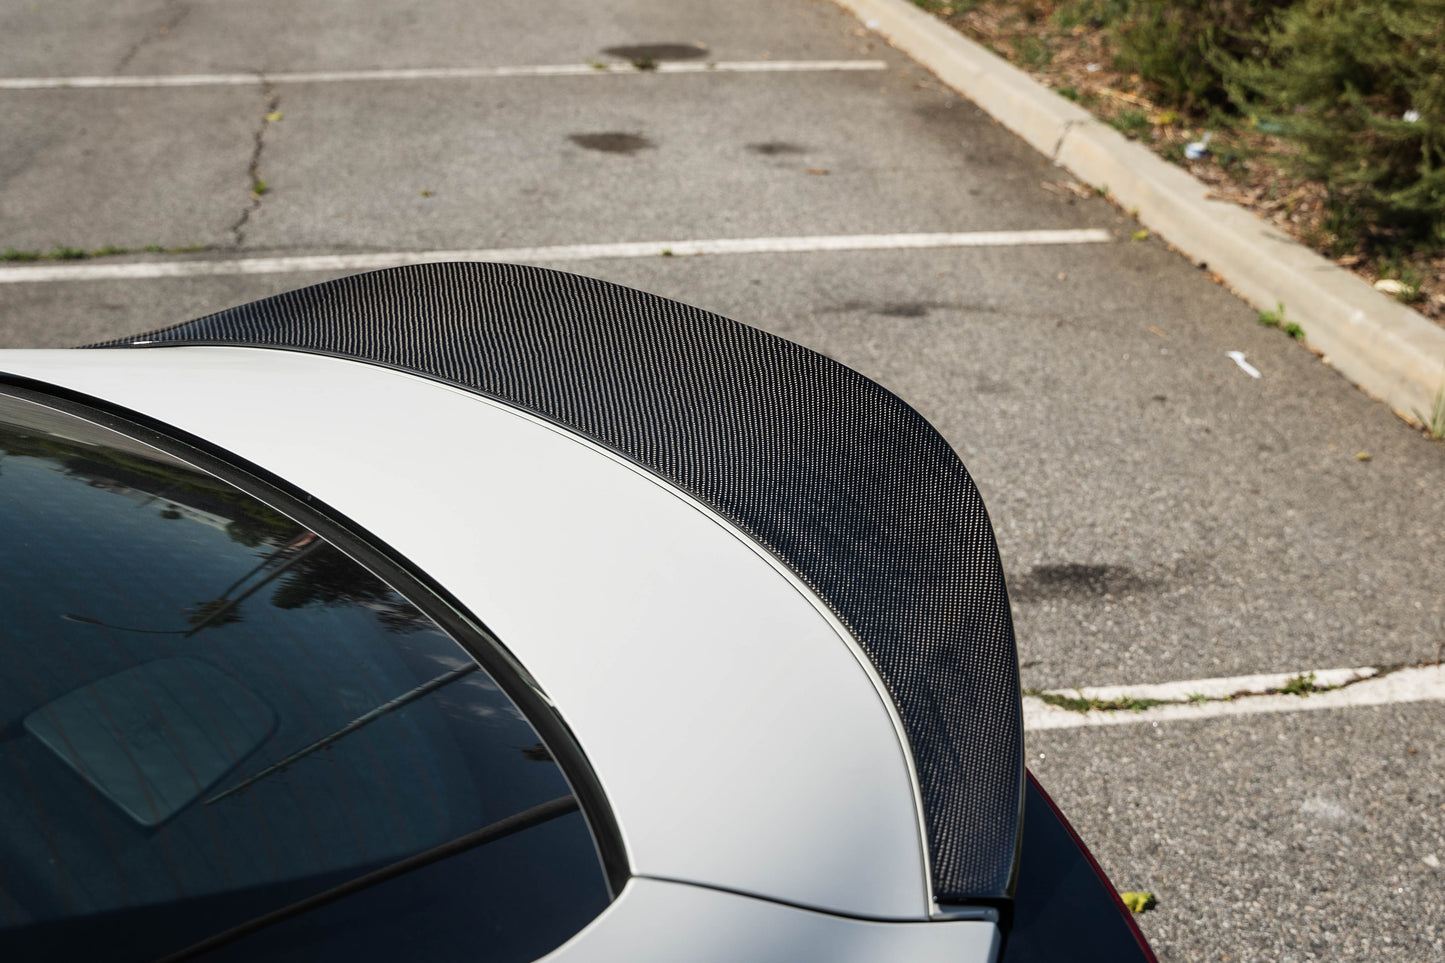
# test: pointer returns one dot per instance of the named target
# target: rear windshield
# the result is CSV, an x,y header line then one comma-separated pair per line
x,y
209,713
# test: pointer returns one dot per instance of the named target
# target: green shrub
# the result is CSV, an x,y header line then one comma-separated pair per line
x,y
1360,88
1176,46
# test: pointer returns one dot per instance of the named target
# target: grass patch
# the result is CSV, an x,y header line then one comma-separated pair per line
x,y
1032,52
946,8
1132,123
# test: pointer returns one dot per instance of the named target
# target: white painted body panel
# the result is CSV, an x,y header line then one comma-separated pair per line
x,y
660,922
739,740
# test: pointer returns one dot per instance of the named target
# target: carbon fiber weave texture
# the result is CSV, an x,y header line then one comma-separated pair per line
x,y
841,480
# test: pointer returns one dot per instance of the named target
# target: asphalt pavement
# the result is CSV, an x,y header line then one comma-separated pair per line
x,y
1162,514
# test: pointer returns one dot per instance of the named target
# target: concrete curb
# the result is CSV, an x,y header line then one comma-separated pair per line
x,y
1388,350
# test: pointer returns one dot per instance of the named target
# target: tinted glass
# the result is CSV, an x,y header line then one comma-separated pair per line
x,y
208,712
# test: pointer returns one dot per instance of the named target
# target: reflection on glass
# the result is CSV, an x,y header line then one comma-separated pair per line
x,y
211,712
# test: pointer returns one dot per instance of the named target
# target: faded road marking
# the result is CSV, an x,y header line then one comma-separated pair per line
x,y
261,78
203,267
1366,686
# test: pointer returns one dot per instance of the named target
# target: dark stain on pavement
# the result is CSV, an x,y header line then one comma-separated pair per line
x,y
612,142
773,148
1072,580
906,309
646,52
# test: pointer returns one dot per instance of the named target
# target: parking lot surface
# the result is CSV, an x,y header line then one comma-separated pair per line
x,y
1162,515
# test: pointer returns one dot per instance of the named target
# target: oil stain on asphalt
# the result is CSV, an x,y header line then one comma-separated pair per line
x,y
612,142
896,309
649,52
773,148
1075,581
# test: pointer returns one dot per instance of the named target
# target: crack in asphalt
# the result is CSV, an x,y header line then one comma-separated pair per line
x,y
1063,135
180,10
272,102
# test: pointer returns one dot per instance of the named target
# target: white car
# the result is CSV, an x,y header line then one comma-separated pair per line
x,y
483,612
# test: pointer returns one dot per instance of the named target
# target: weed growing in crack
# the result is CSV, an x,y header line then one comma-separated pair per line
x,y
1138,902
1434,424
67,253
1276,319
259,187
1302,685
1082,703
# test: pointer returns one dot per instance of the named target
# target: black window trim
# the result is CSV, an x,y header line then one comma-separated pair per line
x,y
386,563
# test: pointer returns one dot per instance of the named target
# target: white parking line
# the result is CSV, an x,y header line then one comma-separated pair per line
x,y
201,267
1366,686
259,78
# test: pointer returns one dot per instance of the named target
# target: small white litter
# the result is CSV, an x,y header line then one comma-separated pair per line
x,y
1391,286
1244,366
1199,148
